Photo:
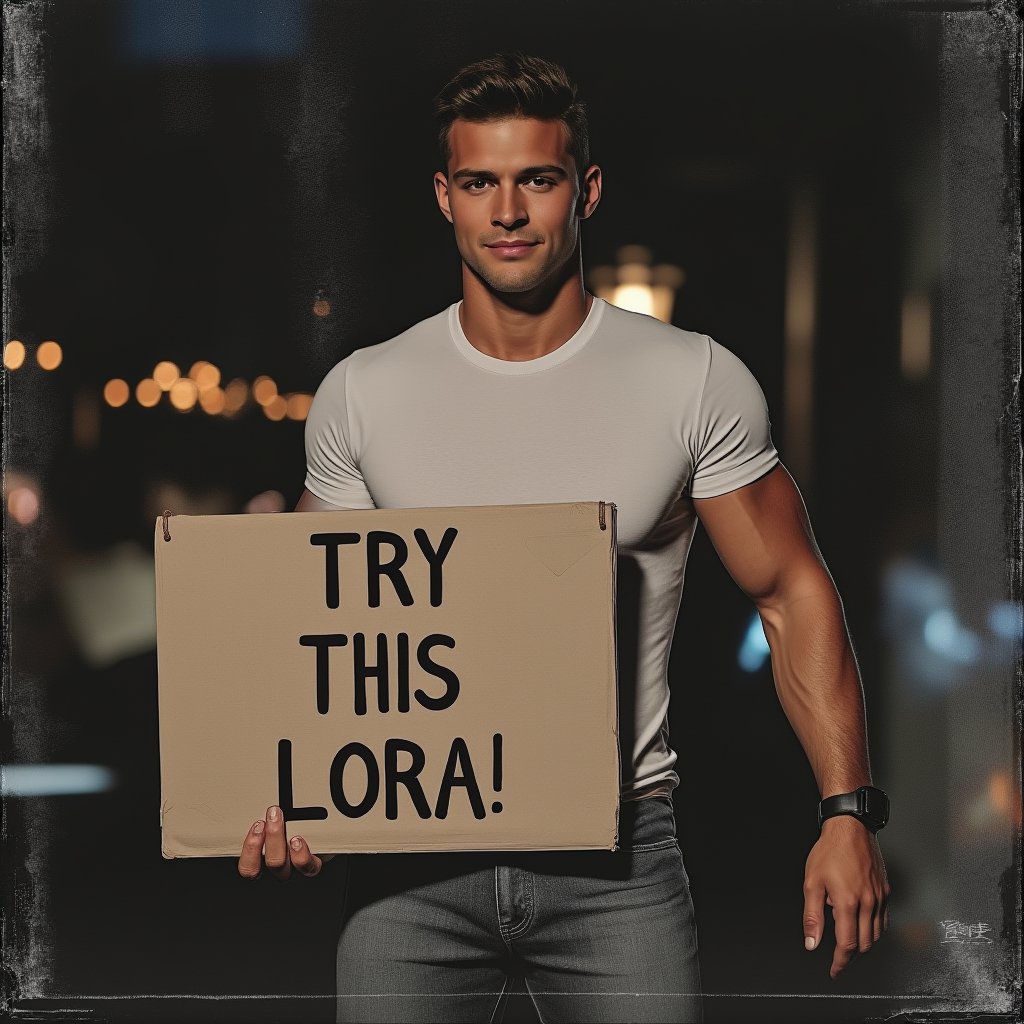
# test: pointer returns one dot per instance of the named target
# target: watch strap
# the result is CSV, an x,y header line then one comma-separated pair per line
x,y
867,804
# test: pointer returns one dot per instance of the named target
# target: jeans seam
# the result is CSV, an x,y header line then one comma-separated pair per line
x,y
502,930
533,999
504,989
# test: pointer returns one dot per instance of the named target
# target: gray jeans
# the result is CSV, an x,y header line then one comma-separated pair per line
x,y
597,935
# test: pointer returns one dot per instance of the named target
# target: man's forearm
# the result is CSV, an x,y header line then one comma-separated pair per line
x,y
818,682
764,538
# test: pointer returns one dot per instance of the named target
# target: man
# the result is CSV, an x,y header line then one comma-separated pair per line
x,y
532,390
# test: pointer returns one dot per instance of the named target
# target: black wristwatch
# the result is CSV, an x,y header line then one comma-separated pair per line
x,y
870,806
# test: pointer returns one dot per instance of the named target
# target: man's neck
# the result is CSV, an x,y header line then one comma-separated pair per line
x,y
524,331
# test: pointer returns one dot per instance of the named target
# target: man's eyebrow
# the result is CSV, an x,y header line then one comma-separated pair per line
x,y
526,172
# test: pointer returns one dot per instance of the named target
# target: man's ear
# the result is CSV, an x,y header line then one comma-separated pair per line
x,y
590,192
441,191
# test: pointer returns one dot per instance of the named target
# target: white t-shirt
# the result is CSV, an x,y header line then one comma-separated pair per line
x,y
629,410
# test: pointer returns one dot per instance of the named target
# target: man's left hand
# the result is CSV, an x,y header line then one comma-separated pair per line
x,y
845,870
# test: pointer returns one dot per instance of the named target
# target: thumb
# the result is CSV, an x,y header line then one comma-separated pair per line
x,y
814,914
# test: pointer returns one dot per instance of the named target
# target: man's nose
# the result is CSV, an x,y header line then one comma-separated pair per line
x,y
509,211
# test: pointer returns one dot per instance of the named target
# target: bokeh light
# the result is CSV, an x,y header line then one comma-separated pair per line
x,y
55,779
276,408
235,395
116,392
945,635
23,505
1005,620
165,374
49,355
147,392
298,405
212,400
206,377
183,394
754,651
1004,797
14,354
264,390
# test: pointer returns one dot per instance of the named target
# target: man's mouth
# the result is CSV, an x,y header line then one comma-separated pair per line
x,y
512,247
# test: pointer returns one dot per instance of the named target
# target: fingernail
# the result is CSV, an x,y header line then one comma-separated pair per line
x,y
809,942
297,843
258,827
272,813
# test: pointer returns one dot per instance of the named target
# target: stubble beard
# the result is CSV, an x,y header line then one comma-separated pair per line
x,y
517,280
512,279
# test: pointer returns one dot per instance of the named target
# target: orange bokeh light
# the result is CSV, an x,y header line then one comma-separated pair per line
x,y
1003,797
148,392
183,394
206,377
23,505
116,392
264,390
235,395
298,405
276,408
49,355
212,400
14,354
165,374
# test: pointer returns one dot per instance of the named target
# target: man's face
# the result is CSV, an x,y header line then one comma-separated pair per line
x,y
514,179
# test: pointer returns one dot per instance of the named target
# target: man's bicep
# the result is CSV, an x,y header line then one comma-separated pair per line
x,y
763,536
731,437
333,474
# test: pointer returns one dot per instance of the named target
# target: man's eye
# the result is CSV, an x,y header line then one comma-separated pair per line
x,y
479,184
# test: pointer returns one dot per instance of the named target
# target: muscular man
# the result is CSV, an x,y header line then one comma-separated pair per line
x,y
533,390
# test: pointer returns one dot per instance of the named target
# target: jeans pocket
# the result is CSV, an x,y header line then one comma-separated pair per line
x,y
662,844
647,824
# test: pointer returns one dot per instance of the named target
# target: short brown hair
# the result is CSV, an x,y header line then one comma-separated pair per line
x,y
514,85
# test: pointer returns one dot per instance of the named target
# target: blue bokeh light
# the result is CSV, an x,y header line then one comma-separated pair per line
x,y
754,650
55,779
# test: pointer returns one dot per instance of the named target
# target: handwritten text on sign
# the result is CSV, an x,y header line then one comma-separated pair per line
x,y
392,674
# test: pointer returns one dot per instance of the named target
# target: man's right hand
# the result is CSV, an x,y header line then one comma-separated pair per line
x,y
282,856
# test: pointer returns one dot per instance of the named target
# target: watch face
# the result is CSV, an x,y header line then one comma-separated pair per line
x,y
876,807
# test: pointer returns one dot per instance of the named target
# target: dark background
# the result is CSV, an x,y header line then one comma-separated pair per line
x,y
185,180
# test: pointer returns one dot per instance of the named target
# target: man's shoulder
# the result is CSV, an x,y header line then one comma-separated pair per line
x,y
400,353
411,342
641,334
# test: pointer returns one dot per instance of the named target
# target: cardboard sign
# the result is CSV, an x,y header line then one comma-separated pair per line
x,y
395,679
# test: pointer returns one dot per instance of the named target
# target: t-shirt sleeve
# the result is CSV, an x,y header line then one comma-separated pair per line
x,y
732,437
332,472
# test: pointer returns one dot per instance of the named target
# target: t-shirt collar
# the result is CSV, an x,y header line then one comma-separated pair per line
x,y
510,366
